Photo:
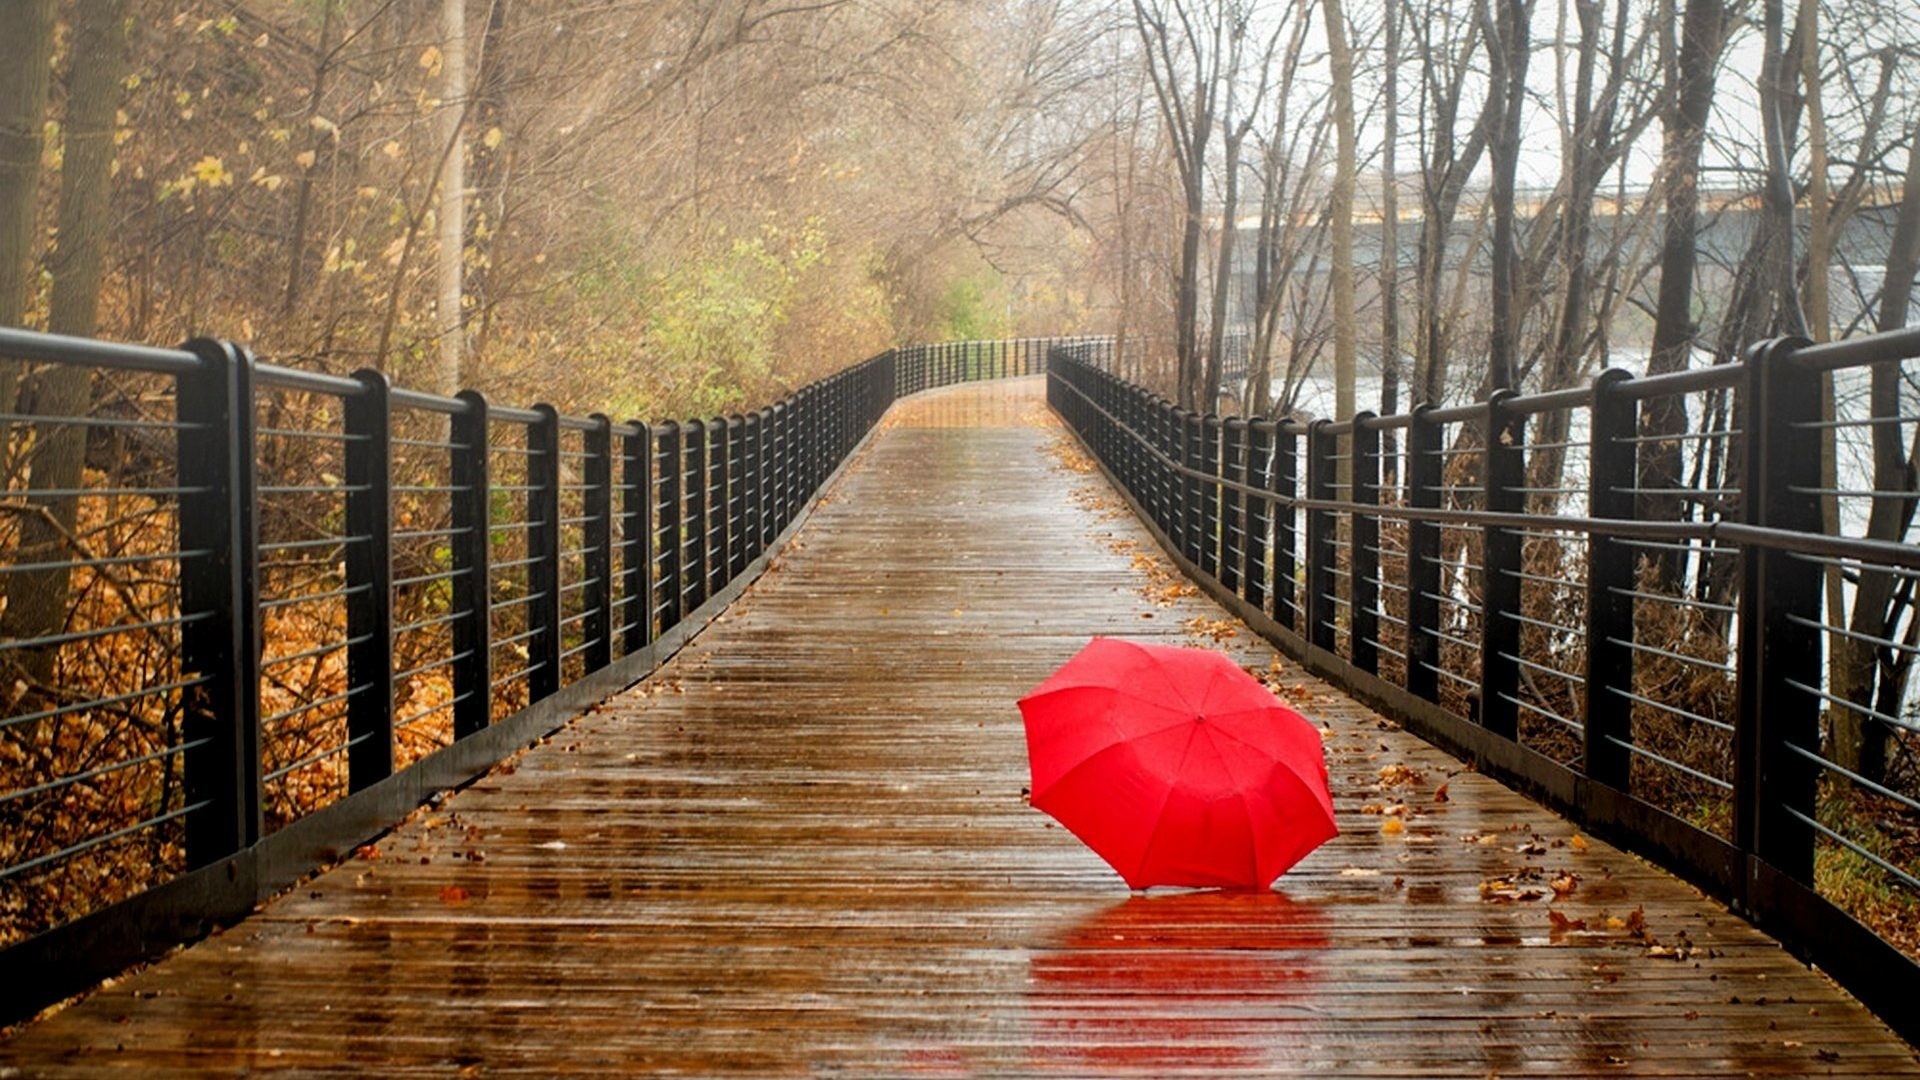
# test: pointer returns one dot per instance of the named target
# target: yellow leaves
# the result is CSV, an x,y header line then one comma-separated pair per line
x,y
391,148
431,61
1398,775
1393,826
1579,843
491,140
262,178
1218,630
212,172
305,159
324,126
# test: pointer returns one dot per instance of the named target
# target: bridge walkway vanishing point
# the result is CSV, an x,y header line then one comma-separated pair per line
x,y
802,847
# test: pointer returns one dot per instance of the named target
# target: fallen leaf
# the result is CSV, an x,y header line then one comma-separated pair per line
x,y
1578,843
453,894
1562,924
1440,793
1393,826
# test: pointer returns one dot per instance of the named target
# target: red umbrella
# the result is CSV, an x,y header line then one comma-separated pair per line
x,y
1177,767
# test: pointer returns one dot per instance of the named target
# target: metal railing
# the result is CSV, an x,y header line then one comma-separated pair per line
x,y
1629,615
271,611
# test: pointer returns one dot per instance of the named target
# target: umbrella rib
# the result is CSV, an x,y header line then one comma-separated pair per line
x,y
1120,690
1160,815
1246,811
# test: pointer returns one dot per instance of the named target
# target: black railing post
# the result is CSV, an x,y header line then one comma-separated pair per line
x,y
367,422
1253,574
738,540
221,648
1423,555
1285,484
543,549
670,540
1612,458
777,468
1233,525
793,436
1320,545
719,508
1780,651
1363,562
1505,475
1134,404
756,482
471,543
636,538
1210,464
1180,447
597,542
693,561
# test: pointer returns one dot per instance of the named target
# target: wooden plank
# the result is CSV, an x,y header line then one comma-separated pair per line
x,y
803,847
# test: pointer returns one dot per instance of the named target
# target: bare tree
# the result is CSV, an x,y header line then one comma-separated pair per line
x,y
452,220
26,39
1183,43
1345,165
37,600
1689,78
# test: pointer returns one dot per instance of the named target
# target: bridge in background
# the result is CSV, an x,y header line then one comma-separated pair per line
x,y
801,843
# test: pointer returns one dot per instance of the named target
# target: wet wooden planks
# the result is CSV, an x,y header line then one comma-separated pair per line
x,y
802,848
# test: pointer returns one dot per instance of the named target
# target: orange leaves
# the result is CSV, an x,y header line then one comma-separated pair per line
x,y
1562,924
453,895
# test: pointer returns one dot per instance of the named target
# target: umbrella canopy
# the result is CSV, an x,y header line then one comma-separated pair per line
x,y
1177,767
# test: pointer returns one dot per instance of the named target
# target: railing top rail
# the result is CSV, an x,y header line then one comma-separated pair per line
x,y
1856,351
61,349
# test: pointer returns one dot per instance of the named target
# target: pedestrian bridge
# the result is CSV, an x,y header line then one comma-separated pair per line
x,y
800,844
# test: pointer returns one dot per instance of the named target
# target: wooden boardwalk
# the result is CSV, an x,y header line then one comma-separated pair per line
x,y
802,848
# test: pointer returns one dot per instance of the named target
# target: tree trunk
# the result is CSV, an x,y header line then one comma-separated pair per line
x,y
1390,244
1345,341
1690,82
1582,157
303,196
1223,279
26,40
1860,744
37,600
1509,51
452,222
493,165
